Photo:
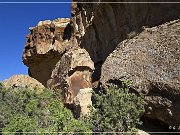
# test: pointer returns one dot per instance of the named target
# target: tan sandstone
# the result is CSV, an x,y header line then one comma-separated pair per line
x,y
23,81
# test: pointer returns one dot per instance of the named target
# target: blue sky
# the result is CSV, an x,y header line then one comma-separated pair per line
x,y
15,21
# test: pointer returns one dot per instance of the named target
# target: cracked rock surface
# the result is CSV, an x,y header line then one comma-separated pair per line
x,y
45,45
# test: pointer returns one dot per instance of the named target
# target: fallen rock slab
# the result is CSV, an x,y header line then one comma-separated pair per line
x,y
151,62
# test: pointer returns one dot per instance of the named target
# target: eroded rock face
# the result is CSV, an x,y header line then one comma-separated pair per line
x,y
45,45
22,81
55,59
45,38
72,73
101,27
151,62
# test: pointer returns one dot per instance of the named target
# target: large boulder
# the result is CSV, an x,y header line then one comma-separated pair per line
x,y
72,73
151,62
45,45
22,81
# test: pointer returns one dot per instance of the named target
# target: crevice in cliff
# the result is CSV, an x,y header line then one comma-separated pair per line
x,y
79,68
68,31
97,72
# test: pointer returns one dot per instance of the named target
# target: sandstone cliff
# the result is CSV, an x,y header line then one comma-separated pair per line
x,y
150,60
45,45
138,42
101,27
55,59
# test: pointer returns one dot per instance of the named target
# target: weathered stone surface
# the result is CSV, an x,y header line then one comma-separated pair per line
x,y
72,73
53,58
101,27
151,62
45,45
45,38
82,102
22,81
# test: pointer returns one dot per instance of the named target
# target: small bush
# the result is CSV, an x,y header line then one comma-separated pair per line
x,y
23,110
115,110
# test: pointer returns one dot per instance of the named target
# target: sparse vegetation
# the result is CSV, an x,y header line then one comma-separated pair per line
x,y
23,110
116,110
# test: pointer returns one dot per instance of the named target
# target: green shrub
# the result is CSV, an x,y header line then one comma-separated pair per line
x,y
24,110
115,110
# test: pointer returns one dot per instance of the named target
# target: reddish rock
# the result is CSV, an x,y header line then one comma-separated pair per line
x,y
72,73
